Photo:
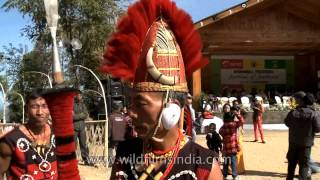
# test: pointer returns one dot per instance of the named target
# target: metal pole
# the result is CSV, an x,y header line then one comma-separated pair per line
x,y
90,90
4,103
23,103
52,16
44,74
106,147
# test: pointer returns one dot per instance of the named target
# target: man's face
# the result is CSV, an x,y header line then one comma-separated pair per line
x,y
226,108
189,100
145,112
79,97
38,111
235,103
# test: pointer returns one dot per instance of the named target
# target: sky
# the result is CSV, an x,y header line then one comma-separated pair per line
x,y
12,22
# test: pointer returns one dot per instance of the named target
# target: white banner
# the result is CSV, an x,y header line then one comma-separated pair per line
x,y
257,76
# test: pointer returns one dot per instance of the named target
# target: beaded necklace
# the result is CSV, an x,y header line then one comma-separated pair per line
x,y
175,154
39,147
161,155
170,154
44,165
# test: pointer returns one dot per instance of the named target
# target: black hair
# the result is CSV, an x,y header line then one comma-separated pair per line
x,y
179,96
227,104
35,94
235,108
234,101
213,126
116,107
309,99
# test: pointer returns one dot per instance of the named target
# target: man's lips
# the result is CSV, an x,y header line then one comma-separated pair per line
x,y
41,117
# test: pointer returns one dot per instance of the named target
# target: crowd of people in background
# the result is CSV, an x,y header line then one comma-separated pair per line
x,y
227,140
268,96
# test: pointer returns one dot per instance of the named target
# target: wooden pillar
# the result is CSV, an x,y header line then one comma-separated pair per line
x,y
305,72
196,88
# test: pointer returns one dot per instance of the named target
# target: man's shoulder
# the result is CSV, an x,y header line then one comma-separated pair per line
x,y
302,111
5,149
10,133
7,142
199,150
215,134
206,156
129,147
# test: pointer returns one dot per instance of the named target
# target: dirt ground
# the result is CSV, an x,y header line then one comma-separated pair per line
x,y
262,161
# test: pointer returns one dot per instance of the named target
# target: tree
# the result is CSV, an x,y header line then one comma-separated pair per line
x,y
4,84
16,79
90,21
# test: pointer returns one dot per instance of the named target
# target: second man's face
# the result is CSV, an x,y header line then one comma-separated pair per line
x,y
38,111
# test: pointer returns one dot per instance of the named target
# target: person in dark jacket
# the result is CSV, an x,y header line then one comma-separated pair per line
x,y
303,122
214,141
117,128
80,114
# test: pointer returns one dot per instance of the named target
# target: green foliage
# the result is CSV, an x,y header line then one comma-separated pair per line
x,y
15,108
90,21
12,57
4,82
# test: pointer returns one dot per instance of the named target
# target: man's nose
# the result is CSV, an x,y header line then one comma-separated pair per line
x,y
40,110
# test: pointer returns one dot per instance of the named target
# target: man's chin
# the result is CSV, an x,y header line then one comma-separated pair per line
x,y
144,135
40,122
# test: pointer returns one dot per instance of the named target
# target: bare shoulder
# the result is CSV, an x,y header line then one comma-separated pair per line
x,y
5,157
5,150
215,173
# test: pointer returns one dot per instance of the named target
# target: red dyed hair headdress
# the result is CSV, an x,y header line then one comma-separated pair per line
x,y
154,47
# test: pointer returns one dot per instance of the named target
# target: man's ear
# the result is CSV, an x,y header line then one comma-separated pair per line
x,y
26,109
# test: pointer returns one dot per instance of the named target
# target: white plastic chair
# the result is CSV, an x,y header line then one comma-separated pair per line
x,y
264,105
224,100
245,102
220,104
259,98
231,99
278,100
204,103
286,101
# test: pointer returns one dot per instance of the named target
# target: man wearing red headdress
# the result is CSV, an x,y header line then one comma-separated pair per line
x,y
154,48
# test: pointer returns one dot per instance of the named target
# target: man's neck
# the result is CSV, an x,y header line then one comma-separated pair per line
x,y
36,129
169,140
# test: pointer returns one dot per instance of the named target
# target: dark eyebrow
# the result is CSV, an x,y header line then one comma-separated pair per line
x,y
140,97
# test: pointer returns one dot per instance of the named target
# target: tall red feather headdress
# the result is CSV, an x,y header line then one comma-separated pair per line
x,y
137,31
